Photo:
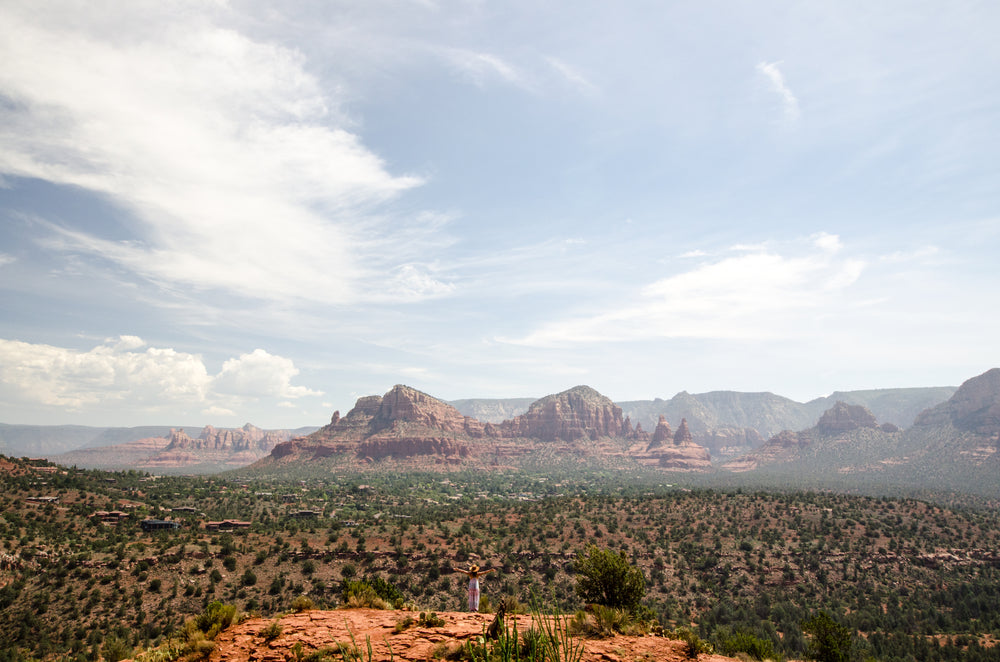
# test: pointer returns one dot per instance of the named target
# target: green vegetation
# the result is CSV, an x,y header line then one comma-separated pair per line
x,y
606,578
829,641
744,571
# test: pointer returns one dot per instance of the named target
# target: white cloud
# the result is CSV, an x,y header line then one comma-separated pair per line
x,y
6,259
761,294
114,375
789,102
259,374
241,171
55,376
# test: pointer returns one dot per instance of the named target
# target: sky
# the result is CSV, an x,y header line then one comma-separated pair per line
x,y
220,212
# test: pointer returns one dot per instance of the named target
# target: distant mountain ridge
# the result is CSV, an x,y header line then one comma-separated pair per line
x,y
953,446
410,427
214,449
730,423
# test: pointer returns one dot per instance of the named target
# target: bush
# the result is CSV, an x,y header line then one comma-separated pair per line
x,y
302,603
373,590
606,578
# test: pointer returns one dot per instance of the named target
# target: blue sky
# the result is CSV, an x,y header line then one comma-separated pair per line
x,y
222,212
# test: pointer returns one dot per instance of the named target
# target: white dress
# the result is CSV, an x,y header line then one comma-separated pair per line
x,y
473,593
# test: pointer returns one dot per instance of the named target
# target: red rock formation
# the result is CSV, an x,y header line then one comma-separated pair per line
x,y
579,413
406,424
402,423
843,417
660,434
683,434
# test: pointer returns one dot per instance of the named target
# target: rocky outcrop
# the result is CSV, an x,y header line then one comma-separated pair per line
x,y
579,413
975,407
402,423
674,452
843,417
661,434
683,434
308,634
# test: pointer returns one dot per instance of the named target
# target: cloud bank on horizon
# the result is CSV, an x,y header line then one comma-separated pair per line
x,y
230,211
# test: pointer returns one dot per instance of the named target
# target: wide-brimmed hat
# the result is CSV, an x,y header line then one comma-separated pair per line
x,y
474,568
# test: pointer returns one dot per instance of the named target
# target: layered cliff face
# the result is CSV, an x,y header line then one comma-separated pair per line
x,y
226,447
974,408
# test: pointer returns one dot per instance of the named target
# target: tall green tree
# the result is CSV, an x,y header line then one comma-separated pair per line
x,y
829,641
607,578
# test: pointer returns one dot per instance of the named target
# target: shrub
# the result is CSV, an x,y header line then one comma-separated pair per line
x,y
371,592
272,630
115,649
363,596
694,646
743,641
302,603
607,622
606,578
216,618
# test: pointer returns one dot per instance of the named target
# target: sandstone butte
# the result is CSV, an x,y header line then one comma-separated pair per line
x,y
406,424
312,630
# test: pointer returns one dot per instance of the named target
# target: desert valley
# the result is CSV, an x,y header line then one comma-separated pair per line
x,y
752,539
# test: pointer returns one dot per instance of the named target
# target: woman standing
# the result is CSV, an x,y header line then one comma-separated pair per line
x,y
474,574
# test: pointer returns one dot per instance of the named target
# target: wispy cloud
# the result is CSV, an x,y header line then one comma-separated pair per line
x,y
574,77
789,101
481,67
755,295
241,172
